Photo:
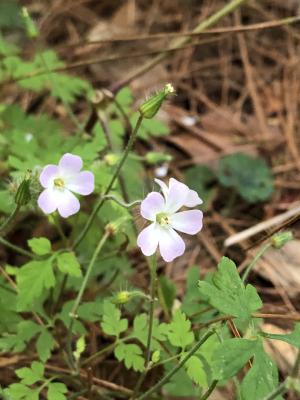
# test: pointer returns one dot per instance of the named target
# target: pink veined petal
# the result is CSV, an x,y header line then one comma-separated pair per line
x,y
67,203
170,244
189,222
70,164
163,186
48,174
151,205
192,199
177,196
47,201
82,183
148,240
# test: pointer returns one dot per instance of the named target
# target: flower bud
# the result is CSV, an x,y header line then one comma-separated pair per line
x,y
30,25
154,157
150,107
280,239
155,357
23,196
112,228
111,159
124,296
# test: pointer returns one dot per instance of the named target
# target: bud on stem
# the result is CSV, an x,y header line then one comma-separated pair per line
x,y
150,107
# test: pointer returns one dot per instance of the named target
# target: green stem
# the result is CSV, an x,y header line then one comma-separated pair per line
x,y
9,220
17,249
173,371
209,390
110,185
281,389
204,25
262,250
153,289
295,369
105,350
73,313
122,203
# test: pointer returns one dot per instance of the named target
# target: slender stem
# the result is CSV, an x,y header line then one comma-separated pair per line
x,y
153,289
122,203
281,389
295,369
173,371
17,249
9,220
179,42
73,313
60,230
209,390
262,250
110,185
105,350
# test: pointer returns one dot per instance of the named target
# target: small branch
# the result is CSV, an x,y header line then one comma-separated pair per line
x,y
173,371
262,251
73,313
6,224
281,389
17,249
209,390
110,185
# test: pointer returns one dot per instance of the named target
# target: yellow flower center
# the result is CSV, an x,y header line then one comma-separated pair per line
x,y
163,219
59,183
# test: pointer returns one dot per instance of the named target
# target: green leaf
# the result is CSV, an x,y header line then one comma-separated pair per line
x,y
261,379
228,294
26,330
249,176
18,391
195,370
45,344
40,246
68,264
180,385
31,375
32,279
140,331
292,338
112,323
180,334
56,391
231,355
131,354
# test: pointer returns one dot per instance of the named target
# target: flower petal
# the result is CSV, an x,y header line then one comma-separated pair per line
x,y
163,186
47,201
70,164
176,198
170,244
187,221
153,204
82,183
48,174
193,199
148,240
67,203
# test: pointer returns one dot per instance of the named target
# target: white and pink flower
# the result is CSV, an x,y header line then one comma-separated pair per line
x,y
162,211
60,182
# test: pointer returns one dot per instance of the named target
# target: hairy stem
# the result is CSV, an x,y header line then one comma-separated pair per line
x,y
110,185
173,371
153,289
73,313
16,248
6,224
262,251
279,390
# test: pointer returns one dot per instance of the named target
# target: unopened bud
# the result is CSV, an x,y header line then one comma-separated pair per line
x,y
150,107
112,228
111,159
155,356
23,196
280,239
154,157
30,25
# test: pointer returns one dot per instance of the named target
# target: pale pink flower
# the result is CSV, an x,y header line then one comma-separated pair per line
x,y
60,181
165,220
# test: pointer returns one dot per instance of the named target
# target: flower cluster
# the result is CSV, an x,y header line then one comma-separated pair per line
x,y
62,180
162,211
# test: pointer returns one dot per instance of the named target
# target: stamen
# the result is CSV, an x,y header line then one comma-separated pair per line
x,y
59,183
163,219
